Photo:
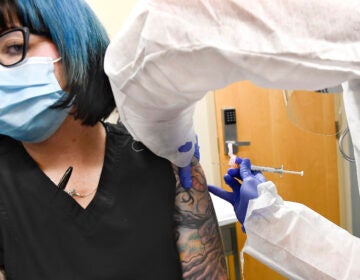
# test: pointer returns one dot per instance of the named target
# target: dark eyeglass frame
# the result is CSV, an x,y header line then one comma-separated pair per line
x,y
25,31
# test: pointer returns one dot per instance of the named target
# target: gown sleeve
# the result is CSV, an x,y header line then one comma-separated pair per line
x,y
298,242
170,53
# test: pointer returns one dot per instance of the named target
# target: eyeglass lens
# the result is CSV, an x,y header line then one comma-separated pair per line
x,y
12,47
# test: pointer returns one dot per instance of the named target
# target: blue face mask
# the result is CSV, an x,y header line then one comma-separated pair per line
x,y
27,92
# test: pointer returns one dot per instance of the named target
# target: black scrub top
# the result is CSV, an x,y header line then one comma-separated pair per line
x,y
126,232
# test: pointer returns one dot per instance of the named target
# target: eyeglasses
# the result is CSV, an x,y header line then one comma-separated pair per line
x,y
13,46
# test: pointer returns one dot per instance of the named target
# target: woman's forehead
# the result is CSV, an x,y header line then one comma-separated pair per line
x,y
8,18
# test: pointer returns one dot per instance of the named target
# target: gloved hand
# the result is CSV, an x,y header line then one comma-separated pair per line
x,y
185,172
241,193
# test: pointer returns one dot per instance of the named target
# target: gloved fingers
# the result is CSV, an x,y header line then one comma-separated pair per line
x,y
238,160
234,172
188,146
241,209
185,172
245,169
232,182
185,176
258,175
228,196
249,189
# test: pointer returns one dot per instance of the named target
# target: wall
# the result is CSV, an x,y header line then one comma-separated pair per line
x,y
205,127
112,13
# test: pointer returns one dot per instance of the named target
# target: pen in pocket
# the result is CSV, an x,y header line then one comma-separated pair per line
x,y
65,178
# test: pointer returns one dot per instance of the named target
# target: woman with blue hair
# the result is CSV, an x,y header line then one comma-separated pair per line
x,y
105,221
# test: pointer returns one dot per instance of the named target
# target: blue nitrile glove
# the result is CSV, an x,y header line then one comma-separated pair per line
x,y
241,193
185,172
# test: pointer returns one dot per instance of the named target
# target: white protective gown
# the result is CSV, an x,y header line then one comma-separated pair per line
x,y
171,52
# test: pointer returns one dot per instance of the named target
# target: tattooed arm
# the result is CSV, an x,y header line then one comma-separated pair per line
x,y
198,234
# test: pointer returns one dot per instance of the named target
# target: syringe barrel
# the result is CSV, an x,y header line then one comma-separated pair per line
x,y
265,169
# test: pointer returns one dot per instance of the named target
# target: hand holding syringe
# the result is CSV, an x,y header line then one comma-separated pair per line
x,y
279,170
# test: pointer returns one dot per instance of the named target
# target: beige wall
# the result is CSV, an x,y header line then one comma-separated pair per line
x,y
112,13
205,126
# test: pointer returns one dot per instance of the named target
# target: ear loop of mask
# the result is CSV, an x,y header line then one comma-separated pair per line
x,y
57,59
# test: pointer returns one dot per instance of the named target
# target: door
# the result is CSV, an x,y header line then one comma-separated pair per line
x,y
274,141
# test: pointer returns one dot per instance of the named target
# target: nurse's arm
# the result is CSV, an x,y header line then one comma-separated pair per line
x,y
198,234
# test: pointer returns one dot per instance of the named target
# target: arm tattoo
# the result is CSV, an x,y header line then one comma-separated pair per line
x,y
198,234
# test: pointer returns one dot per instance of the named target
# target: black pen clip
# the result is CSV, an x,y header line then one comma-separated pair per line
x,y
65,178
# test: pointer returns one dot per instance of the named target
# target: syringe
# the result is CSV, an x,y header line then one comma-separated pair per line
x,y
279,170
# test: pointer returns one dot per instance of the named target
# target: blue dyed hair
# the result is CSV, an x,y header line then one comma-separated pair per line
x,y
81,41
